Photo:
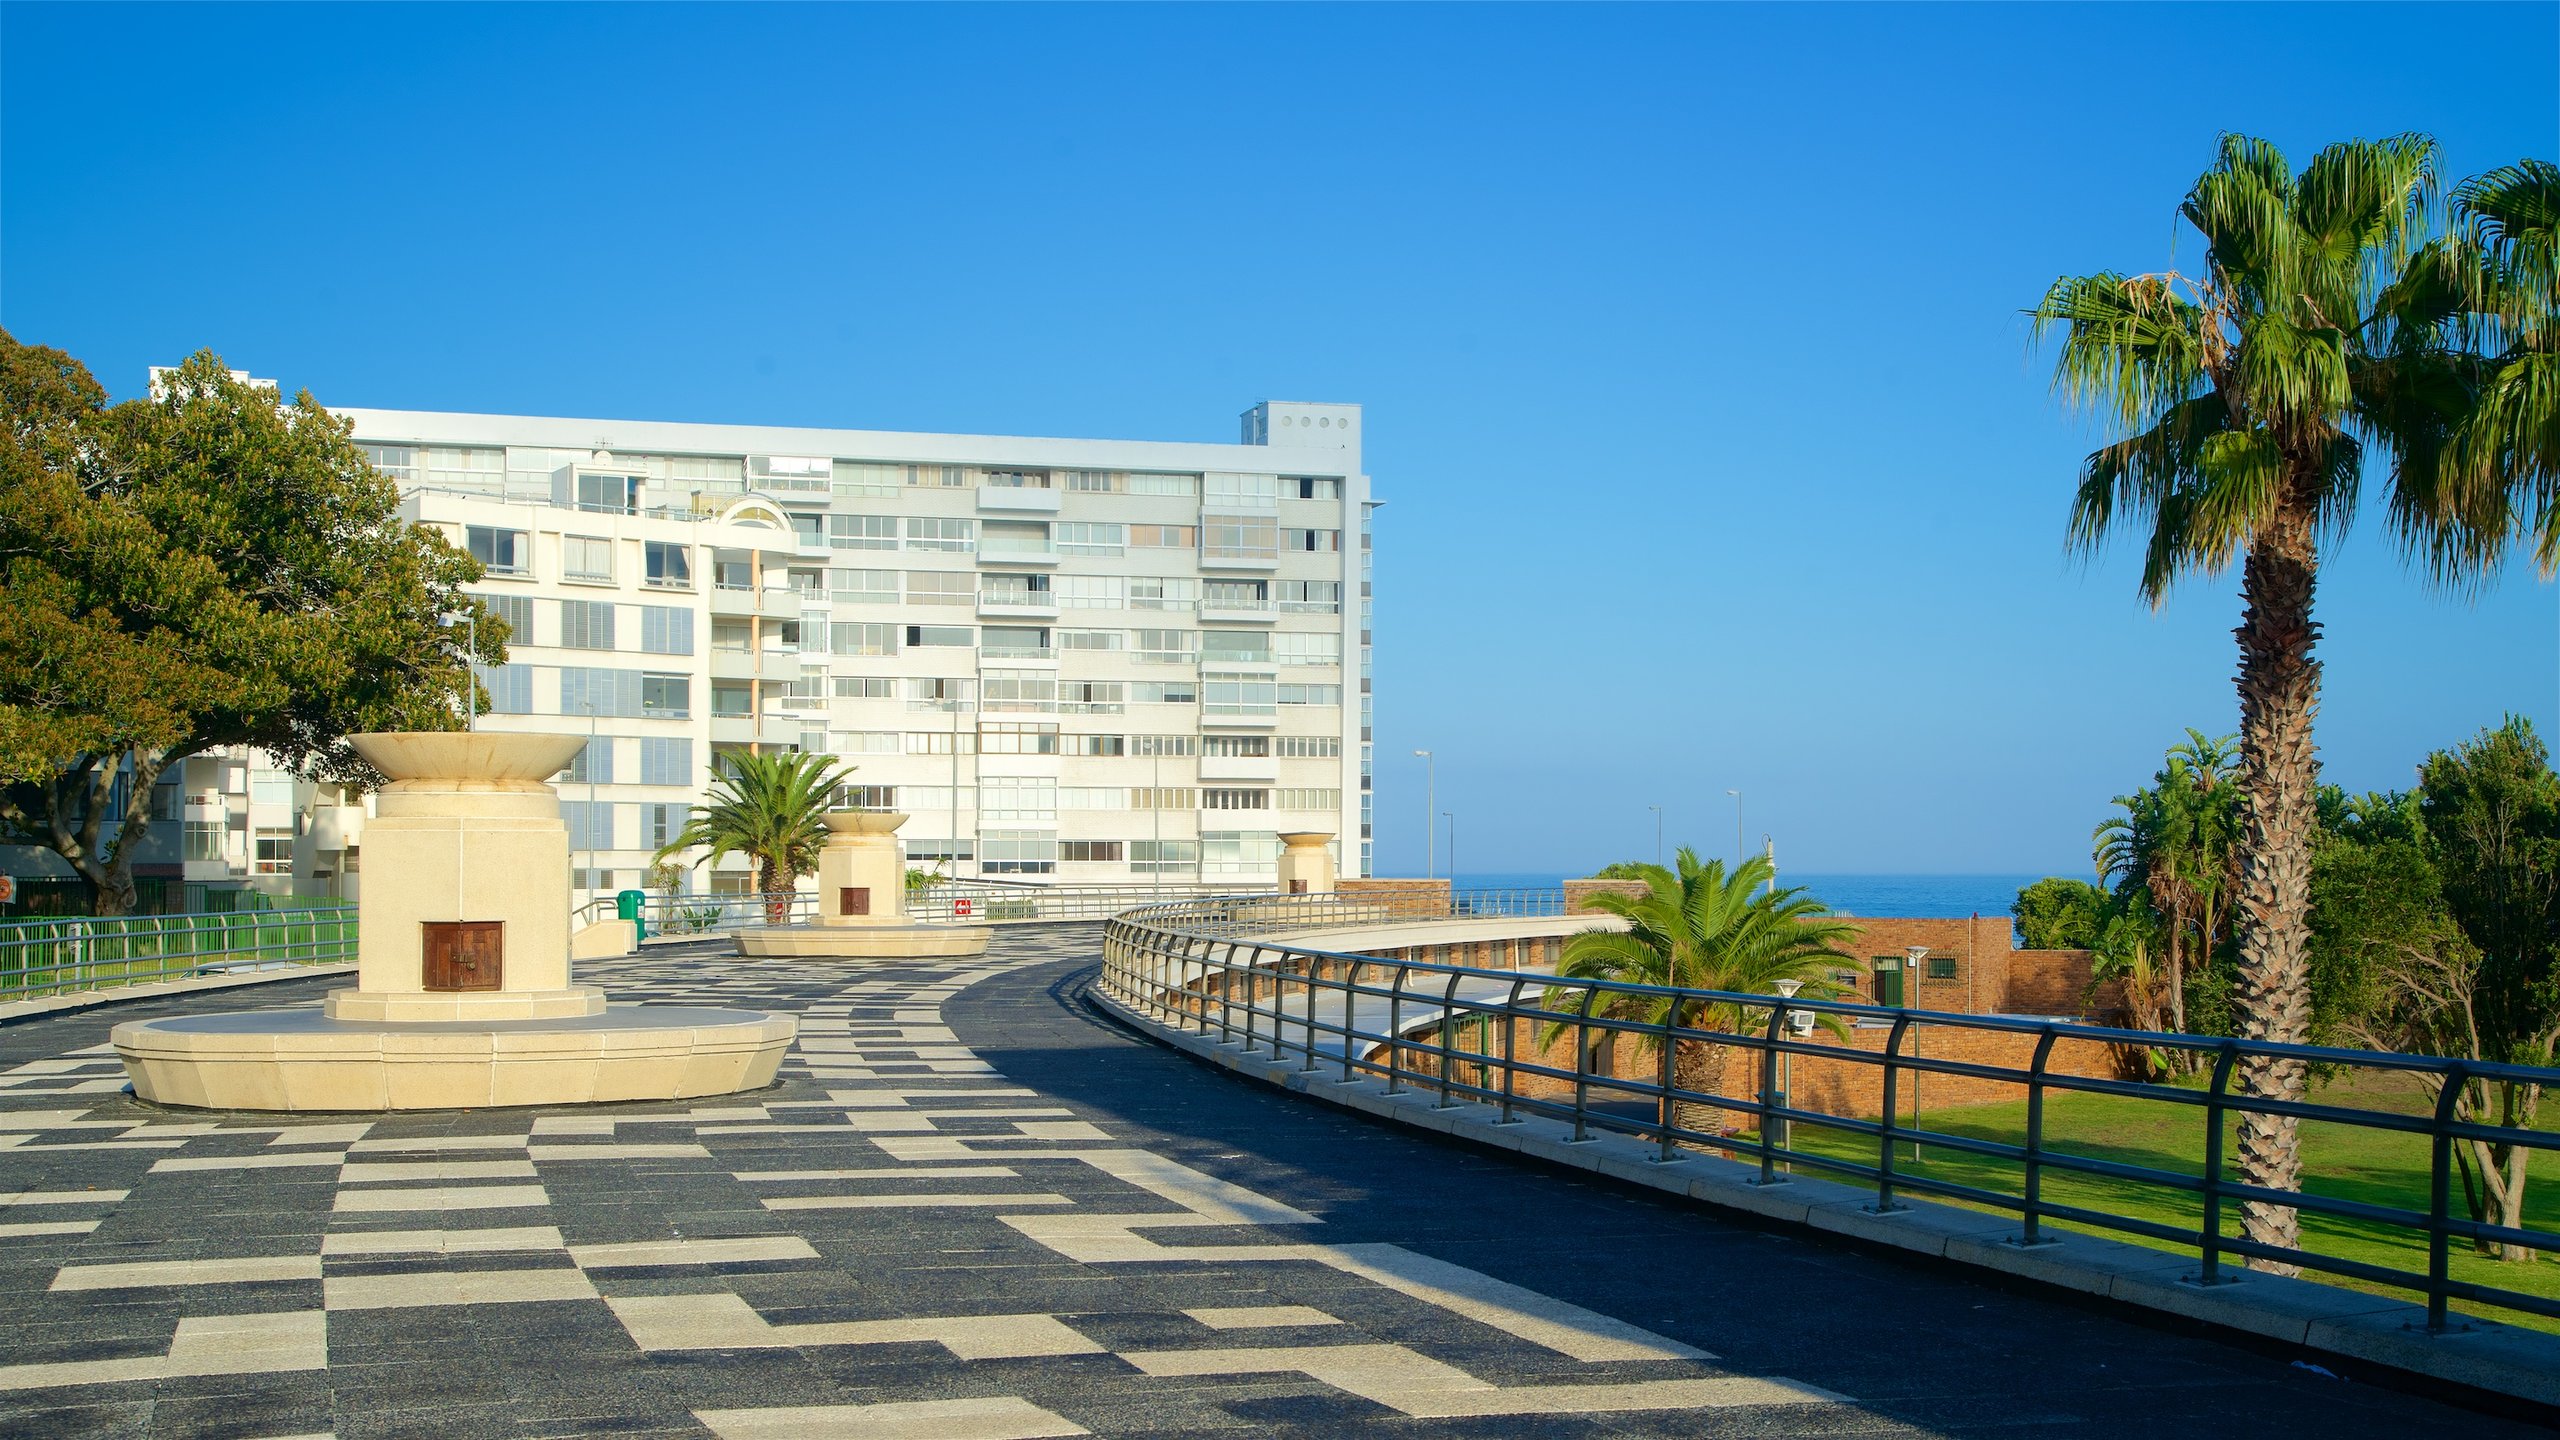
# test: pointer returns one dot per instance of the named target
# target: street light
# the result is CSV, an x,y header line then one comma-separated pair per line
x,y
1453,850
1778,1123
1737,827
1657,832
1430,807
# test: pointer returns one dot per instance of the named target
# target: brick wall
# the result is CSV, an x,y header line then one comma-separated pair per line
x,y
2056,982
1574,890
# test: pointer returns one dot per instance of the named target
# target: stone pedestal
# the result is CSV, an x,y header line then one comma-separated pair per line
x,y
462,996
862,903
1306,864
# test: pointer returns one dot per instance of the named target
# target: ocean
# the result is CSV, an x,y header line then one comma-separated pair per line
x,y
1898,895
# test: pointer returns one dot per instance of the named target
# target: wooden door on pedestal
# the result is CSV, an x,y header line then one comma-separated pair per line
x,y
463,954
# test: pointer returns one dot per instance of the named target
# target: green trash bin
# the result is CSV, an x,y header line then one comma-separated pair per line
x,y
627,906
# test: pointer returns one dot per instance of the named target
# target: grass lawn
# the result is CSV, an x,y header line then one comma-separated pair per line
x,y
2376,1167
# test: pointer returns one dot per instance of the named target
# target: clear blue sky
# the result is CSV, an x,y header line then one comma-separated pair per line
x,y
1688,336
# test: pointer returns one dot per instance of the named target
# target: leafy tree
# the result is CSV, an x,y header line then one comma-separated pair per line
x,y
210,567
2060,914
1620,870
767,807
1699,928
2324,329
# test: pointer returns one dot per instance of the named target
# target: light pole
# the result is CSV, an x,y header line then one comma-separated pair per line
x,y
1430,807
1778,1123
1452,823
1912,958
1737,827
589,760
1657,832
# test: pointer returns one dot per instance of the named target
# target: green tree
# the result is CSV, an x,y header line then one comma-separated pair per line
x,y
2251,397
1620,870
2056,913
2177,843
2491,808
767,807
1699,928
210,567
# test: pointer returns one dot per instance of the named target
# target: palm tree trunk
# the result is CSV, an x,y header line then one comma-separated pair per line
x,y
777,910
1699,1068
2279,691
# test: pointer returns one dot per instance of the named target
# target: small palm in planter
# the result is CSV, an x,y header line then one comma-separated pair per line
x,y
767,807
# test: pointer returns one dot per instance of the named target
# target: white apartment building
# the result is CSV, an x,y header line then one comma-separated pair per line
x,y
1072,661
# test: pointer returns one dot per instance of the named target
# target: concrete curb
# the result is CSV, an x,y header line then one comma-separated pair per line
x,y
2503,1360
17,1010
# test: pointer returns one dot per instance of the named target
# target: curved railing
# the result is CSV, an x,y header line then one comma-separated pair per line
x,y
1228,966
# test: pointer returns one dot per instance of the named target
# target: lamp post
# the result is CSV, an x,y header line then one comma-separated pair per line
x,y
1912,958
1657,832
1430,807
1737,827
1451,821
589,761
1778,1123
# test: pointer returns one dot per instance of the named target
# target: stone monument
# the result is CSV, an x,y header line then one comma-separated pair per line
x,y
463,995
862,903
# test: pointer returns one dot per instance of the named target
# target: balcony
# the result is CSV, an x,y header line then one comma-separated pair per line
x,y
1018,499
1238,611
1236,557
740,601
1002,554
1260,769
1018,605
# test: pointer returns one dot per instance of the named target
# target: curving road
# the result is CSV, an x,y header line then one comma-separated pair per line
x,y
975,1209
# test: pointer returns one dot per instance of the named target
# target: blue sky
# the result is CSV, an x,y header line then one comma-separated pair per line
x,y
1716,453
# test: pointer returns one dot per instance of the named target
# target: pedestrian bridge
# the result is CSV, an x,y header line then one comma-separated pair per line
x,y
983,1201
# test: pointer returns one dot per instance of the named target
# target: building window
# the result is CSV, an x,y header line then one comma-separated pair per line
x,y
1150,593
670,565
1020,690
1311,695
1326,800
810,528
586,557
517,611
1237,695
1089,851
1017,798
1163,537
590,823
1307,647
661,824
400,462
1092,538
1092,697
863,532
865,687
1090,592
1311,487
1017,737
960,636
940,692
858,479
1236,595
275,851
1235,799
1168,647
1251,647
1942,967
590,691
1166,745
941,587
204,839
1013,590
865,742
946,477
941,742
790,472
1015,642
500,552
1016,479
588,624
608,494
1093,639
1309,597
1236,747
666,697
1098,482
1097,744
934,532
1240,492
1164,692
864,587
1186,486
862,637
1239,537
666,760
1017,852
1168,797
1159,857
592,765
666,630
510,688
1313,541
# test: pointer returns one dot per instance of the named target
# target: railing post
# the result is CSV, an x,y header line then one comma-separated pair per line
x,y
1448,1022
1350,1024
2209,1242
1395,1032
1892,1074
1582,1067
1510,1030
2440,1194
1670,1072
1314,964
1772,1099
2032,1213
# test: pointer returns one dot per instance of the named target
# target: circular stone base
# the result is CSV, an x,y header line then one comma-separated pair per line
x,y
864,942
303,1060
410,1006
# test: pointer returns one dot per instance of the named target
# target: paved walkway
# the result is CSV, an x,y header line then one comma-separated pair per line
x,y
972,1209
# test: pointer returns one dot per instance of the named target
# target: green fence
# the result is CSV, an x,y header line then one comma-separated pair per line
x,y
56,956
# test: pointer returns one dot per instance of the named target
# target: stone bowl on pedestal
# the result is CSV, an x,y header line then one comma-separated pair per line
x,y
462,996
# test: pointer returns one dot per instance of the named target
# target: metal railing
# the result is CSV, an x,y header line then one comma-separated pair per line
x,y
57,956
706,914
1224,965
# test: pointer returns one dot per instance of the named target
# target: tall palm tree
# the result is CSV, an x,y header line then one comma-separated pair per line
x,y
767,807
1698,928
2324,328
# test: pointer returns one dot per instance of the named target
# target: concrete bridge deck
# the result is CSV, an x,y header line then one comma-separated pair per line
x,y
973,1209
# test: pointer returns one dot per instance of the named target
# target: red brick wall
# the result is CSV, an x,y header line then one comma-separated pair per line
x,y
1574,890
2056,982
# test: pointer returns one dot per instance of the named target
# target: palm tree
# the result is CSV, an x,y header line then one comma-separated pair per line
x,y
2178,842
1698,928
2325,327
767,807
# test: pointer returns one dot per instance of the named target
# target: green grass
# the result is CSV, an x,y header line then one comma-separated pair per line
x,y
2346,1162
